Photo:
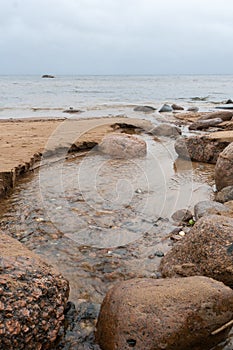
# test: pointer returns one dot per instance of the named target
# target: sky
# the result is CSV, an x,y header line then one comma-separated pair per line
x,y
116,37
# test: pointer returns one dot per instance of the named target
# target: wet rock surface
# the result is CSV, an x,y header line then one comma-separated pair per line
x,y
224,168
172,314
207,250
123,146
204,208
32,299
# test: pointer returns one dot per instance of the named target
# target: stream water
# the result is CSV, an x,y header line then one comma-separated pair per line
x,y
101,220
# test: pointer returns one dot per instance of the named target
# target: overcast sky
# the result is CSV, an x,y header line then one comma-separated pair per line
x,y
116,36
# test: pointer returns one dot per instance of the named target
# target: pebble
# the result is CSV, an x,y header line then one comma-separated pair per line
x,y
182,233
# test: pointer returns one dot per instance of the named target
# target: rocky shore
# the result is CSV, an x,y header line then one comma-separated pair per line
x,y
188,304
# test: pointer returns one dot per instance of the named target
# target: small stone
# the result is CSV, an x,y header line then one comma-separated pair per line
x,y
182,233
159,253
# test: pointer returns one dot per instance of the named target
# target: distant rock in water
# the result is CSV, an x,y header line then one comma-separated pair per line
x,y
229,102
165,108
48,76
205,98
227,106
145,109
71,110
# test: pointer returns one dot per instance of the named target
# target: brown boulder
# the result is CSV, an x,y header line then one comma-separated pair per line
x,y
224,168
200,148
168,314
123,146
207,250
32,299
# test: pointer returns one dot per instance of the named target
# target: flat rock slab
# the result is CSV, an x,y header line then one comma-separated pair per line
x,y
33,297
168,314
206,250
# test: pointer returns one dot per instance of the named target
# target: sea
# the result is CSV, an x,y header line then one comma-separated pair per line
x,y
102,96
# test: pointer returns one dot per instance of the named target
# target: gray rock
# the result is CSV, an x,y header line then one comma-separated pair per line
x,y
205,124
123,146
165,108
166,130
168,314
145,109
224,168
207,250
225,195
33,299
209,207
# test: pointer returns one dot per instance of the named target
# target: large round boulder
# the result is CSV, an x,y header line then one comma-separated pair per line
x,y
206,250
168,314
123,146
33,297
166,130
224,168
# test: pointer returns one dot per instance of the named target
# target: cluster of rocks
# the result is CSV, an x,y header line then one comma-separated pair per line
x,y
192,304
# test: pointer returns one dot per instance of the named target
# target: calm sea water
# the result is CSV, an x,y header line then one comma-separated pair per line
x,y
32,96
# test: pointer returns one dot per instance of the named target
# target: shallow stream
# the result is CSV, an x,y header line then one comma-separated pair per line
x,y
101,220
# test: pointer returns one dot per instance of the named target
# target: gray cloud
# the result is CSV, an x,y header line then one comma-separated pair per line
x,y
116,36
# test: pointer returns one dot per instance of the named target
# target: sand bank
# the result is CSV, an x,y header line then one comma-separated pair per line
x,y
22,142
